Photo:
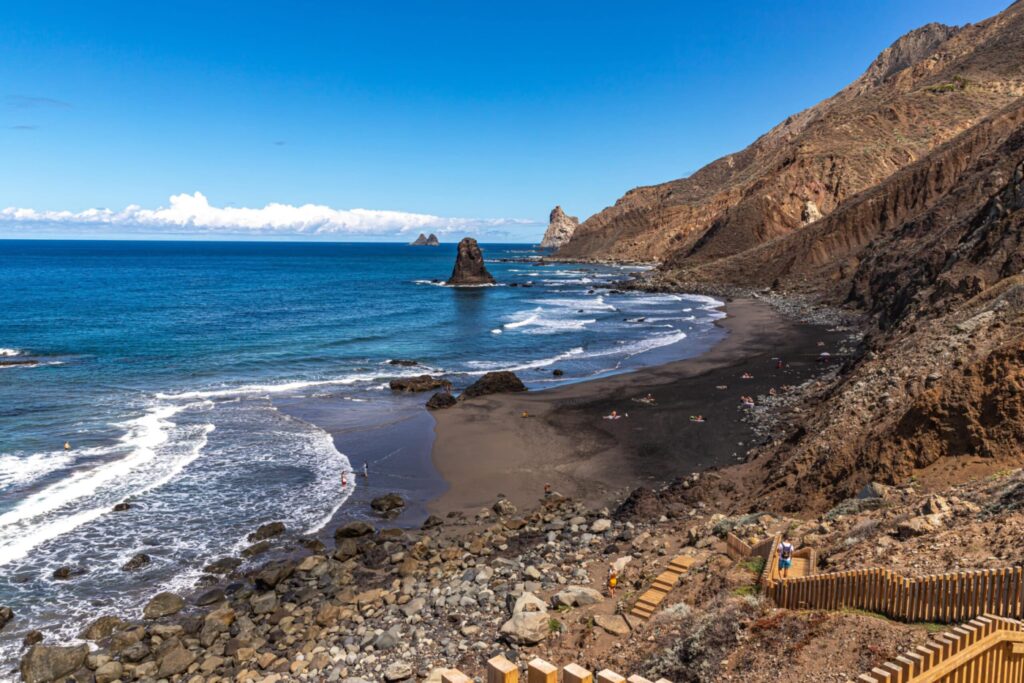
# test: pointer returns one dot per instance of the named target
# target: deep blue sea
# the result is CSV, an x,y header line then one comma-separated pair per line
x,y
216,386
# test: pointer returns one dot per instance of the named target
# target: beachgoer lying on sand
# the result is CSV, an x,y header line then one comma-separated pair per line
x,y
747,375
614,415
780,364
747,401
696,418
525,414
722,386
646,400
771,391
824,357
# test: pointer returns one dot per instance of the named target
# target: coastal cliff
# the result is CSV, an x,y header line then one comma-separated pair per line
x,y
560,229
928,87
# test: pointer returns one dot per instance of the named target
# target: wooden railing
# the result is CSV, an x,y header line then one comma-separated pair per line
x,y
989,648
942,598
736,547
501,670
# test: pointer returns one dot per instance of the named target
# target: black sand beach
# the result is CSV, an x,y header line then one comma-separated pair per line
x,y
484,447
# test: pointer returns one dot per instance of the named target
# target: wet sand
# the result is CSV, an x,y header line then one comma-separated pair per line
x,y
484,447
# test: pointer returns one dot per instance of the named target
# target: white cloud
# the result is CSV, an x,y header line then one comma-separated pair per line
x,y
193,214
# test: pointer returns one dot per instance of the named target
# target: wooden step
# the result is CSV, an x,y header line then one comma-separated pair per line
x,y
651,598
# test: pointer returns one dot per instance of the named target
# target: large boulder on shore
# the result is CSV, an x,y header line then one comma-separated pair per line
x,y
469,265
353,530
501,382
441,400
419,383
44,663
163,605
6,614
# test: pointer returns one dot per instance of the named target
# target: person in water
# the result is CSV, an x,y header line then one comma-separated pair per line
x,y
344,480
67,445
366,470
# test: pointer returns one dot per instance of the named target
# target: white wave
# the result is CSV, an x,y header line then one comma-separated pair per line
x,y
539,321
286,387
439,283
445,284
481,367
30,523
18,469
496,330
7,353
586,304
708,301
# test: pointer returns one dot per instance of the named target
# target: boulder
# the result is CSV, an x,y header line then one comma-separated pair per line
x,y
6,614
100,628
557,373
612,623
273,573
31,638
209,597
601,525
501,382
432,522
419,383
528,602
399,671
122,507
577,596
504,507
526,628
174,660
109,672
137,562
163,605
387,503
224,565
469,265
353,530
346,550
265,531
441,400
44,663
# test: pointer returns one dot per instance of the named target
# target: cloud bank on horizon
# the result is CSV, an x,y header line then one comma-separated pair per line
x,y
192,214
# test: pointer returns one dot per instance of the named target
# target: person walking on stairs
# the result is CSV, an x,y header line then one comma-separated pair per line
x,y
785,556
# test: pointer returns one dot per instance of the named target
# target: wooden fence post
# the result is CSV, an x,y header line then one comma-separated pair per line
x,y
455,676
574,673
500,670
608,676
539,671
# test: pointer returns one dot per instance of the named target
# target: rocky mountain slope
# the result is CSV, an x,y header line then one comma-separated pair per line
x,y
929,86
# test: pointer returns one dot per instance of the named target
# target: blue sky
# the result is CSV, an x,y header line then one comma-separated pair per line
x,y
459,111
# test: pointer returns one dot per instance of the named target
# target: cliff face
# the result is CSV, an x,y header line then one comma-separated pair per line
x,y
560,229
929,86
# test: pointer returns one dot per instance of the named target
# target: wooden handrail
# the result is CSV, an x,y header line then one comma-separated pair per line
x,y
989,648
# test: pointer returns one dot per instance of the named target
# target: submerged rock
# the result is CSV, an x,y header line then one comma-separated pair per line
x,y
469,265
265,531
403,362
387,503
500,382
137,562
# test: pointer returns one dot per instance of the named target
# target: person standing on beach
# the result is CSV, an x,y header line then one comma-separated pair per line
x,y
785,556
613,580
366,470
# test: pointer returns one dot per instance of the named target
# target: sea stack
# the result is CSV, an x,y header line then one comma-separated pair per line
x,y
469,265
424,241
561,226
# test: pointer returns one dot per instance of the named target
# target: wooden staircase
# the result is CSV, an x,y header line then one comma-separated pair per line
x,y
801,567
662,585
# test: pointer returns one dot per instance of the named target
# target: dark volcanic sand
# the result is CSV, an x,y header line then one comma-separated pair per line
x,y
484,447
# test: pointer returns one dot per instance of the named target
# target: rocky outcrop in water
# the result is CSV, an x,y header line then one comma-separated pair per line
x,y
441,400
424,241
419,383
469,265
560,229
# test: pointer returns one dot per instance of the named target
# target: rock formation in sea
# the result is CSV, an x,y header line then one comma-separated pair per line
x,y
424,241
419,383
469,265
560,229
